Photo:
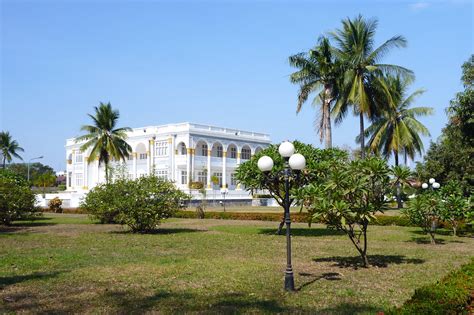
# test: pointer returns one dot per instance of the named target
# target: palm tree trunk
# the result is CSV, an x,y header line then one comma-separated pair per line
x,y
362,138
405,158
399,188
4,159
106,172
327,116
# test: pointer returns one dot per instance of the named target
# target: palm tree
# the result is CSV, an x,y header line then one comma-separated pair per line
x,y
362,70
318,73
397,130
9,148
107,141
402,176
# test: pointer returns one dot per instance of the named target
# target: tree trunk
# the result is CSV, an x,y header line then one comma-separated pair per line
x,y
399,188
432,236
362,137
327,108
106,172
455,227
405,156
3,164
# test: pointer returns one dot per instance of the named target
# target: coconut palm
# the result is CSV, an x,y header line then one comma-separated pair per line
x,y
397,129
402,178
107,141
362,69
9,148
318,73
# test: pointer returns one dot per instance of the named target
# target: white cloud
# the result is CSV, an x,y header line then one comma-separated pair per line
x,y
418,6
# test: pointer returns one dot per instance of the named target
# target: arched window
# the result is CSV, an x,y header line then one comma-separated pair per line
x,y
232,151
246,153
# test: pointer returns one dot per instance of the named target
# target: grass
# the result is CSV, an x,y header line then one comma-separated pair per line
x,y
63,263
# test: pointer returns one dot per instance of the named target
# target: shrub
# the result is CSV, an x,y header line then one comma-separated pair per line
x,y
55,205
196,185
450,295
17,201
424,211
141,203
61,187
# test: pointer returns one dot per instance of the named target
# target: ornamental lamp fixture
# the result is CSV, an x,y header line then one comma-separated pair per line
x,y
294,163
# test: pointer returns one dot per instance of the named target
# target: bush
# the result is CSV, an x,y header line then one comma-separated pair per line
x,y
424,211
141,203
196,185
61,187
17,201
55,205
451,295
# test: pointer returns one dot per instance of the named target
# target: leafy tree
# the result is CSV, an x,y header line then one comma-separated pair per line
x,y
17,201
401,180
107,141
45,180
36,169
9,148
317,162
454,206
347,197
141,203
362,69
319,72
424,211
451,158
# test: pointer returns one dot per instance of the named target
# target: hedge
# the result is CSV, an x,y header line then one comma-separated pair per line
x,y
451,295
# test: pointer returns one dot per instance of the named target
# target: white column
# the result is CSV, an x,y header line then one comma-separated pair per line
x,y
151,156
224,169
171,146
85,184
192,164
209,152
134,155
238,163
188,165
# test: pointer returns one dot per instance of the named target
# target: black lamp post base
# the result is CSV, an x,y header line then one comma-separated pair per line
x,y
289,281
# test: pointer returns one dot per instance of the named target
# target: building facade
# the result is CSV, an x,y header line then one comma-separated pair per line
x,y
182,153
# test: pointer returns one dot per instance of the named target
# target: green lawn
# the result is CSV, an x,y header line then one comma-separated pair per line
x,y
64,263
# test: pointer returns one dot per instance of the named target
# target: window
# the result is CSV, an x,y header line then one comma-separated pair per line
x,y
78,157
79,180
219,151
161,148
204,150
143,156
219,178
69,183
183,150
233,180
245,154
202,177
162,174
130,157
233,152
184,177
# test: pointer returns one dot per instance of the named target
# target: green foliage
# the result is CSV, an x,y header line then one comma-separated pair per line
x,y
9,148
347,197
196,185
141,203
452,156
17,201
454,206
451,295
61,187
424,211
55,205
45,180
36,169
107,141
317,162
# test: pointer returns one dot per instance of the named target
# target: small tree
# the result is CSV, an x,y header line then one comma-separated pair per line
x,y
454,207
347,197
317,161
424,211
45,180
17,201
55,205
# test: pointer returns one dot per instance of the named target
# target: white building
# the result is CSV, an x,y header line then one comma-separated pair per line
x,y
182,153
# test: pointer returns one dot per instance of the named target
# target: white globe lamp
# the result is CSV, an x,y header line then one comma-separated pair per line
x,y
265,163
424,185
297,162
432,180
436,185
286,149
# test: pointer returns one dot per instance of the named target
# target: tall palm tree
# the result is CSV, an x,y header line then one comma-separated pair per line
x,y
362,69
9,148
318,73
397,129
107,141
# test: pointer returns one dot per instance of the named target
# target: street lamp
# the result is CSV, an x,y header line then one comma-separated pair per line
x,y
224,192
36,158
294,163
432,182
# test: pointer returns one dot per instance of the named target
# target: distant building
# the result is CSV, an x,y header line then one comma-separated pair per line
x,y
182,153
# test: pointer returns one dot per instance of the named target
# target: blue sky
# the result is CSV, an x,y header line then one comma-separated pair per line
x,y
217,62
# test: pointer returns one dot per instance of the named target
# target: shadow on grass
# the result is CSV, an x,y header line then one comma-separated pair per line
x,y
381,261
163,231
438,231
331,276
427,240
351,308
5,281
41,221
303,232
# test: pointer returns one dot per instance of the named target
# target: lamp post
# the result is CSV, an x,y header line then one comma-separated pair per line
x,y
36,158
224,192
433,185
294,163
